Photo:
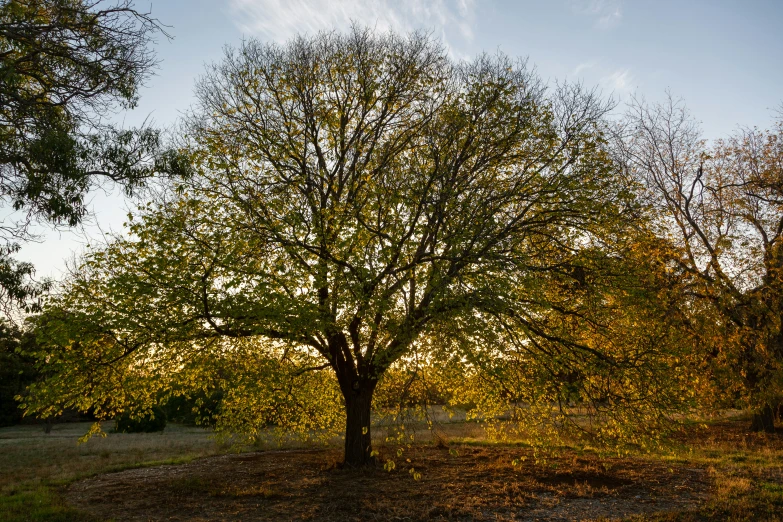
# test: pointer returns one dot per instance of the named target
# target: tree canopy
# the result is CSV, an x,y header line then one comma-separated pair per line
x,y
361,204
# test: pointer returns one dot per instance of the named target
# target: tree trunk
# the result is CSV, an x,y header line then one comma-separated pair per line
x,y
358,441
763,420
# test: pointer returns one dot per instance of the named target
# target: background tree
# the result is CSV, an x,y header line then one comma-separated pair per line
x,y
723,206
357,197
65,67
17,370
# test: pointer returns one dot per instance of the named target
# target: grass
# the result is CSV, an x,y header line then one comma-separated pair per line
x,y
743,474
41,503
737,499
746,471
34,466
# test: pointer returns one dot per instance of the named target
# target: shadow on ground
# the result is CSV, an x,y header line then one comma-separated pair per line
x,y
455,483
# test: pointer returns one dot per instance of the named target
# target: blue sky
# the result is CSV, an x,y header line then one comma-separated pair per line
x,y
724,59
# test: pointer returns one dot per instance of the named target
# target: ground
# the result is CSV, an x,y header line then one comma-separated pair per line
x,y
717,472
455,483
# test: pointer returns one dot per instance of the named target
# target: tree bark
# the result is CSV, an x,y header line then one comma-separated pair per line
x,y
763,420
358,440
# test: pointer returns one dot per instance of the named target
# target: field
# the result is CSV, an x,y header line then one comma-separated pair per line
x,y
717,472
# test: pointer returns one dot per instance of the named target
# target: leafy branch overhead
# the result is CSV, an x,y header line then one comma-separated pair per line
x,y
66,67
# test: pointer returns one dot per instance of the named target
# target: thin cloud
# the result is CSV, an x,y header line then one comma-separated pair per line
x,y
584,66
279,20
618,81
610,20
606,14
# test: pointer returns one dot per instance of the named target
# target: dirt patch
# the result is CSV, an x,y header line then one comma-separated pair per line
x,y
457,483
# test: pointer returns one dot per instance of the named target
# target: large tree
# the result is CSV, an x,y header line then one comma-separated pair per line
x,y
722,205
358,197
66,66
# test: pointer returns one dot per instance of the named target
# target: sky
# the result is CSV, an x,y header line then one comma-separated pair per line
x,y
724,59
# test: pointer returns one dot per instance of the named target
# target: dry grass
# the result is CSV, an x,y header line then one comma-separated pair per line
x,y
746,471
